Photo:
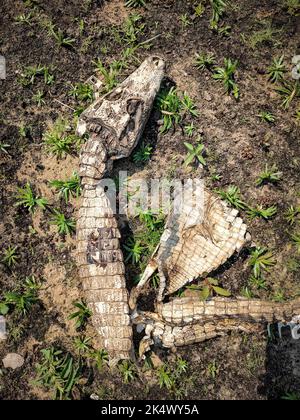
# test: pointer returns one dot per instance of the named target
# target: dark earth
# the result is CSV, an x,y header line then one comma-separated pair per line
x,y
238,145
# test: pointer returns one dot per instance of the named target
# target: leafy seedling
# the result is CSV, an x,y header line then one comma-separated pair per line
x,y
271,175
10,256
266,116
189,129
64,225
59,141
205,61
82,315
261,259
291,214
226,76
260,212
68,188
170,106
143,154
208,288
61,38
276,70
218,9
135,3
27,198
4,147
194,153
59,372
109,74
39,98
134,250
233,196
82,91
127,370
288,90
296,240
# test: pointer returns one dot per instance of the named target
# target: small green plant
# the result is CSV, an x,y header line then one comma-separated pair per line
x,y
291,214
4,309
24,130
59,372
61,38
278,296
24,18
218,9
258,283
296,240
27,198
266,116
205,61
261,259
291,396
4,147
260,212
132,28
297,116
194,153
271,175
10,256
188,105
82,315
199,10
226,76
22,301
64,225
208,288
224,30
247,293
31,73
264,35
143,154
100,358
184,20
189,129
172,377
277,69
82,91
288,90
127,370
59,141
135,3
109,73
82,345
170,107
292,6
134,250
152,221
68,188
39,98
212,369
233,196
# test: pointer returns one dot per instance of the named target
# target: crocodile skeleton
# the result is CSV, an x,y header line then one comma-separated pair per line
x,y
195,242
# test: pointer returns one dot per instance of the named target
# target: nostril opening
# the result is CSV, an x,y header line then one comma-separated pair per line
x,y
156,60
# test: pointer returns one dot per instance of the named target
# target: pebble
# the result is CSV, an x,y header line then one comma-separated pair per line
x,y
13,361
207,96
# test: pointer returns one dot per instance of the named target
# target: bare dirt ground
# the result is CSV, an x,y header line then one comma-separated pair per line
x,y
238,145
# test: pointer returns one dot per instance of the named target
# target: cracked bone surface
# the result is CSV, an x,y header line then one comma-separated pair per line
x,y
199,237
114,123
184,321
